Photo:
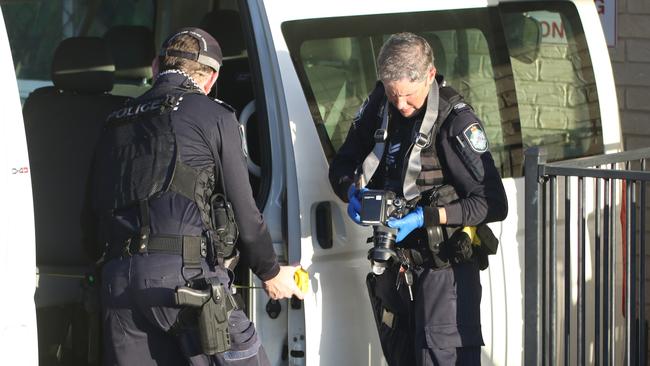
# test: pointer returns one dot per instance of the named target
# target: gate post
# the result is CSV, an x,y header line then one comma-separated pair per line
x,y
533,291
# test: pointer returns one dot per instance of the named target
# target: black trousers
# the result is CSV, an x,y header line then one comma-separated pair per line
x,y
138,310
440,327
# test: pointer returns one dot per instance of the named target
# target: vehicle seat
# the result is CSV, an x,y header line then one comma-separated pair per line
x,y
440,58
132,47
62,124
234,85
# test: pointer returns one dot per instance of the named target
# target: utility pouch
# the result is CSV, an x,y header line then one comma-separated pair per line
x,y
225,230
488,246
489,242
213,322
459,247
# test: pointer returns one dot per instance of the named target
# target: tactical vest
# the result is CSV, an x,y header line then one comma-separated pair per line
x,y
423,172
423,181
138,160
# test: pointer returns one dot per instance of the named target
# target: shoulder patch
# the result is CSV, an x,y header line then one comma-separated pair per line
x,y
359,114
476,138
225,105
460,106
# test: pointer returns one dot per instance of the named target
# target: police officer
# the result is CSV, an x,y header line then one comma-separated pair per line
x,y
171,187
415,136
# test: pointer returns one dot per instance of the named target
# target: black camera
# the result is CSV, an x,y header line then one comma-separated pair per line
x,y
376,208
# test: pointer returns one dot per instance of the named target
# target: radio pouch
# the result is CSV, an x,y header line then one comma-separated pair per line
x,y
223,223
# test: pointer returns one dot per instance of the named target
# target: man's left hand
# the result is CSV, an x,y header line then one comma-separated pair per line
x,y
408,223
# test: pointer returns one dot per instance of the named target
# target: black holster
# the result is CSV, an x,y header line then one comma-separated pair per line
x,y
216,304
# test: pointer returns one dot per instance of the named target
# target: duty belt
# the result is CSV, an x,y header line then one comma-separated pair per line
x,y
192,248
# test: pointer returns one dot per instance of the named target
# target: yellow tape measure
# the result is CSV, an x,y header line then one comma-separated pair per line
x,y
302,279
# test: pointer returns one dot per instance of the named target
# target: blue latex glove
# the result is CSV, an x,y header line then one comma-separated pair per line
x,y
408,223
354,205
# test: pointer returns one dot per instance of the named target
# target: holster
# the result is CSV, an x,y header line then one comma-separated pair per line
x,y
213,321
214,304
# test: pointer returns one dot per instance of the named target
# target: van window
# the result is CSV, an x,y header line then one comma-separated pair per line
x,y
527,89
35,29
556,93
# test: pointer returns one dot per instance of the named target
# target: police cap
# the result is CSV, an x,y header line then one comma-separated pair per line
x,y
209,50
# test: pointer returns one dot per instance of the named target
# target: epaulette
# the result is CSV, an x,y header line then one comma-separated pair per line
x,y
225,105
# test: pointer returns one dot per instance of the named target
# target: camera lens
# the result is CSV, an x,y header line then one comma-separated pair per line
x,y
383,250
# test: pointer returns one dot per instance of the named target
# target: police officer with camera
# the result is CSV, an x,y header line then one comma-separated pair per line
x,y
176,208
416,165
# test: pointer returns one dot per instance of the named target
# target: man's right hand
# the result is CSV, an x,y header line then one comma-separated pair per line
x,y
283,285
354,203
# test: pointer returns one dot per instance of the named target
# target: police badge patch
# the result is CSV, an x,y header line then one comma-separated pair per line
x,y
475,135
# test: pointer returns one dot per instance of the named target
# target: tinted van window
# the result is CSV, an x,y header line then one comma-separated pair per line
x,y
527,88
35,29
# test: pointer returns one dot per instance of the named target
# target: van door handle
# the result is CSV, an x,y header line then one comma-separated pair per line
x,y
324,225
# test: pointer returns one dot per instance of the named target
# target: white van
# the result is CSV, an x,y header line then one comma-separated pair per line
x,y
536,73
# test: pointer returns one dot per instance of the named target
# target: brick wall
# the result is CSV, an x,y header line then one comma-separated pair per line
x,y
631,65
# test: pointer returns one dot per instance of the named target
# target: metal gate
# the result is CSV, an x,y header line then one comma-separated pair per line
x,y
585,214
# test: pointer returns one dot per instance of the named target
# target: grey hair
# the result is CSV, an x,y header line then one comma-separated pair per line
x,y
404,56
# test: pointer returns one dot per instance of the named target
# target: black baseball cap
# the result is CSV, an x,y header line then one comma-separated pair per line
x,y
209,50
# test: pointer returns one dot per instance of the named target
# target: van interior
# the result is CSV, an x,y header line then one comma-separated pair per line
x,y
80,61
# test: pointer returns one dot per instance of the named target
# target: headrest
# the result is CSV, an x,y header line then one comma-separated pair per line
x,y
439,57
328,50
83,64
225,27
133,49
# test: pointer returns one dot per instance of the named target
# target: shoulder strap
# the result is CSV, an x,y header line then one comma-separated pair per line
x,y
371,162
421,140
445,100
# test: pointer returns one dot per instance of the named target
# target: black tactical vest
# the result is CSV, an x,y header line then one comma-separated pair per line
x,y
431,174
430,178
137,160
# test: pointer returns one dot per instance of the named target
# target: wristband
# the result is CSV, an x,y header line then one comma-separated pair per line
x,y
431,216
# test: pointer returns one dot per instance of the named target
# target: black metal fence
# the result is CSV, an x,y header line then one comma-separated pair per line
x,y
604,223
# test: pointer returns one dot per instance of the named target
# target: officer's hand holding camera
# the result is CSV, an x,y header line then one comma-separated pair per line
x,y
413,220
354,203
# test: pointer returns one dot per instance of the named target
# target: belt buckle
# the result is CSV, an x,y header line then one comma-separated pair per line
x,y
421,140
380,135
